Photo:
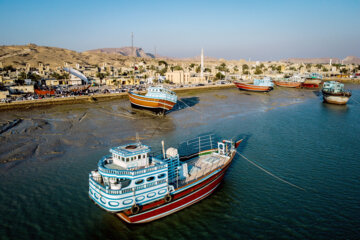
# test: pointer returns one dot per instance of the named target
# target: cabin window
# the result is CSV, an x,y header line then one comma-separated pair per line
x,y
149,179
144,155
123,159
139,157
140,181
162,176
127,159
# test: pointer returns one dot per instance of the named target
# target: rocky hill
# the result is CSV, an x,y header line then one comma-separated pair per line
x,y
347,60
311,60
351,59
124,51
20,55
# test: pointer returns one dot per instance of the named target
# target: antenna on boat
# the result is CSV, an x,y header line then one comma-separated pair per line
x,y
163,148
138,139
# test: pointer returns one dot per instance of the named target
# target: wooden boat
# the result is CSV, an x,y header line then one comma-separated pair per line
x,y
312,81
140,188
292,82
157,99
44,92
333,92
259,85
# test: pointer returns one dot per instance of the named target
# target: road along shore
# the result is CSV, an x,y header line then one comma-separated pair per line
x,y
26,104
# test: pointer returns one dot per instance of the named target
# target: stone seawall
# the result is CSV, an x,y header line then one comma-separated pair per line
x,y
86,99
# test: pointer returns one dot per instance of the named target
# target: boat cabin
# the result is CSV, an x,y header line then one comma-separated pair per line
x,y
333,87
265,82
162,93
131,156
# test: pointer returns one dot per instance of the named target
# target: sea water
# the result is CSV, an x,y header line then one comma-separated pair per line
x,y
310,145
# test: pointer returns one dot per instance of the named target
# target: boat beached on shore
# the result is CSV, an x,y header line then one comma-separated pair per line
x,y
314,80
292,82
259,85
157,99
140,187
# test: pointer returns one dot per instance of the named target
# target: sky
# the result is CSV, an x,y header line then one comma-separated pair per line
x,y
257,29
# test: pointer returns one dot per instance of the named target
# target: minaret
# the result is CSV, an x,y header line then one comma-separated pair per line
x,y
330,62
202,64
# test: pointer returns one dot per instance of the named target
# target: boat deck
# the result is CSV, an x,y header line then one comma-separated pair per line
x,y
202,165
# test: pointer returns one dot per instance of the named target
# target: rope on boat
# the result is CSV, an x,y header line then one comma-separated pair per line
x,y
191,107
355,100
271,174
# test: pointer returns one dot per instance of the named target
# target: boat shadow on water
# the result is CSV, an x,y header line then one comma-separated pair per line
x,y
183,103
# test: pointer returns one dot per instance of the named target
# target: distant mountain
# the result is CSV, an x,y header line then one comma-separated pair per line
x,y
311,60
347,60
125,51
351,59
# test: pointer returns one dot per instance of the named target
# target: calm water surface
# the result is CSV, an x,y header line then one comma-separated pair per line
x,y
46,159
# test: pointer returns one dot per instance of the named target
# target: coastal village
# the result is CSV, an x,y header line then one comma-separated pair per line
x,y
18,80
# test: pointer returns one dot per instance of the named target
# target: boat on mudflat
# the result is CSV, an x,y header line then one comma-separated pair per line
x,y
259,85
42,92
312,81
140,187
333,92
292,82
157,99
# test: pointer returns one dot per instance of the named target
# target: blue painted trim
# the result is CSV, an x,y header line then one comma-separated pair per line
x,y
131,176
129,194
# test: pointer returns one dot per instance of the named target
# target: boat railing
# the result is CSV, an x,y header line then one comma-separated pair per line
x,y
105,189
131,172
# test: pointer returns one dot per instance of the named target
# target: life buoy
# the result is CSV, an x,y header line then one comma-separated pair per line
x,y
135,209
168,198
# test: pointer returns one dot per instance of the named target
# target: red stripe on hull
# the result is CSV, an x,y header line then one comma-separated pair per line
x,y
179,204
181,200
251,87
288,84
151,103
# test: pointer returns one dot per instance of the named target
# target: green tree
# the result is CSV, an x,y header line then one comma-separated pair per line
x,y
236,69
177,68
207,70
245,67
163,62
344,70
258,70
9,68
319,66
192,65
22,76
219,75
101,75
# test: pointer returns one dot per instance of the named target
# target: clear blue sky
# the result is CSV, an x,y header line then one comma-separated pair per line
x,y
257,29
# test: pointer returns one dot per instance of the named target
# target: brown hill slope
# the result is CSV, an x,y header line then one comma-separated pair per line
x,y
20,55
125,51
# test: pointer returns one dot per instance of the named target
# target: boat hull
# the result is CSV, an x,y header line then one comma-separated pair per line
x,y
44,92
311,83
340,100
288,84
152,104
252,87
180,200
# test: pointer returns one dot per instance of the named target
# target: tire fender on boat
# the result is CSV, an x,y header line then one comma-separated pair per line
x,y
168,198
135,209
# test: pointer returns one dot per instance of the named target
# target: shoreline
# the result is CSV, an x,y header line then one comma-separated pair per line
x,y
28,104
